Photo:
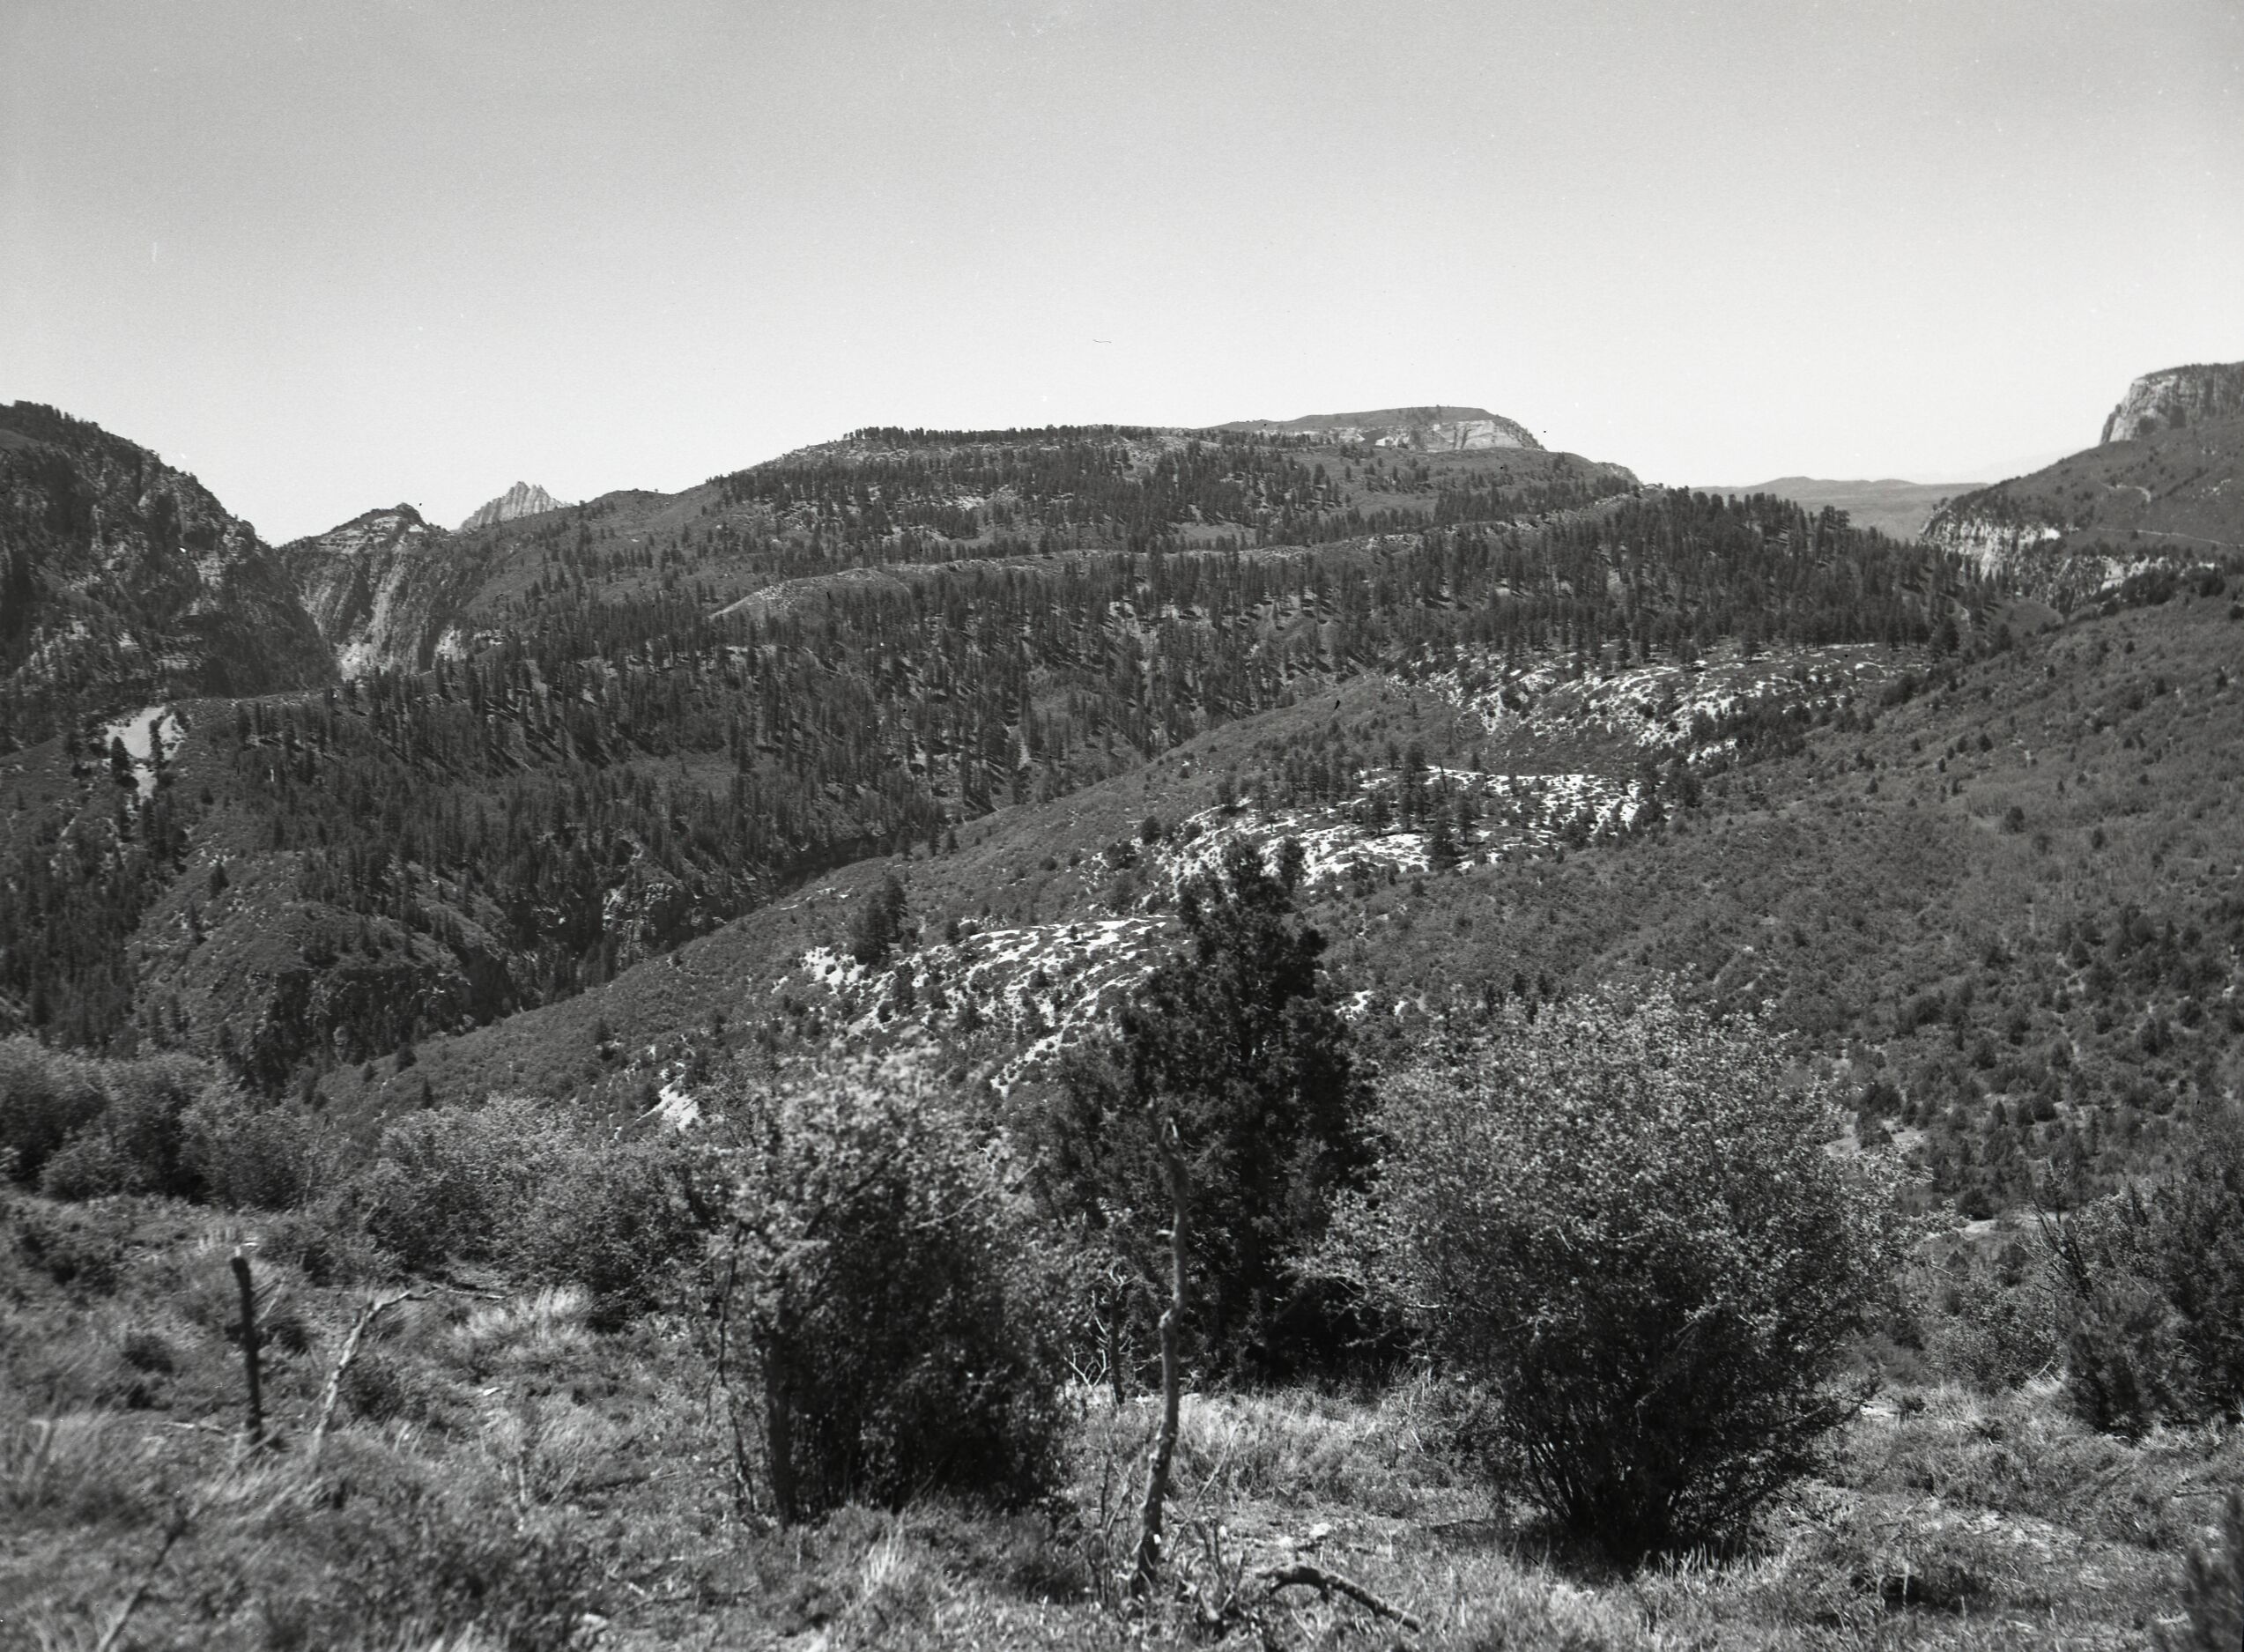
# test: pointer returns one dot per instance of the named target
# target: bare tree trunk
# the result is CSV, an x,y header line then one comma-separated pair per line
x,y
376,1306
1117,1297
779,1449
1157,1475
249,1348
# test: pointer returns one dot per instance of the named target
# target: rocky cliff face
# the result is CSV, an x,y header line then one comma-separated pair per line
x,y
122,581
1424,429
524,498
2165,485
1998,543
386,588
2174,398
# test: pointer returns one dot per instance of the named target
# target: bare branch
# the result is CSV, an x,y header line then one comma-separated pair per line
x,y
1301,1573
375,1310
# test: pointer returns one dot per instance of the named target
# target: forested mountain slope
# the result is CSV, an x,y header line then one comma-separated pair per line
x,y
634,755
2165,485
390,589
124,581
1994,887
1603,729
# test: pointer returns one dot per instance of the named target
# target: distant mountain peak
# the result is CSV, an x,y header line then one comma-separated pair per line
x,y
524,498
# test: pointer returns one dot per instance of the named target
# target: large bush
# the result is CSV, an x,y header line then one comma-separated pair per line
x,y
2151,1287
896,1315
523,1187
456,1183
46,1097
247,1154
82,1127
1624,1223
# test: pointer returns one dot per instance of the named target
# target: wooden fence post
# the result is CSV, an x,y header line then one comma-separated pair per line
x,y
249,1347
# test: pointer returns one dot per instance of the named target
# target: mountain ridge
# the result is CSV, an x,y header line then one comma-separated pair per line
x,y
1439,429
124,579
1888,504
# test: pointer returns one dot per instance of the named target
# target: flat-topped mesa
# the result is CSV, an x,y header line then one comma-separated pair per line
x,y
524,498
2174,398
1426,429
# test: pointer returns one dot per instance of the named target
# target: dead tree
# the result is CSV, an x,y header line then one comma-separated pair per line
x,y
1157,1474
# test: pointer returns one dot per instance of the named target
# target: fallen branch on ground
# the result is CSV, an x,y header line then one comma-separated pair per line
x,y
1300,1572
374,1308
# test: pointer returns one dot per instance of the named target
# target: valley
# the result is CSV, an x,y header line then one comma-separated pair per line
x,y
634,980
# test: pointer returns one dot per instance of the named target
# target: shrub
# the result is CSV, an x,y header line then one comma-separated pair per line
x,y
401,1551
1624,1222
619,1221
83,1250
83,1129
92,1164
45,1097
133,1146
2152,1287
1986,1326
520,1187
457,1183
898,1314
2214,1590
248,1155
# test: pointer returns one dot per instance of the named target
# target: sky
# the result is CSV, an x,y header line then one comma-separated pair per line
x,y
332,255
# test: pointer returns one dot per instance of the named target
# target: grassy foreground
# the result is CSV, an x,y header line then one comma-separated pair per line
x,y
498,1473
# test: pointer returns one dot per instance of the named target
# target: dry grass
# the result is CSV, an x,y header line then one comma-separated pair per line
x,y
512,1471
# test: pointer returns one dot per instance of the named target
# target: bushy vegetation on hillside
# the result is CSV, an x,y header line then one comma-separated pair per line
x,y
898,1320
1625,1221
1625,1267
2151,1289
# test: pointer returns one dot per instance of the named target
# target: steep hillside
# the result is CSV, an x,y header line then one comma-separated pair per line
x,y
632,761
122,581
2165,488
1995,890
387,589
1896,509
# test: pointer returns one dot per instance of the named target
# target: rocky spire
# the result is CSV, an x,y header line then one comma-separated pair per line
x,y
524,498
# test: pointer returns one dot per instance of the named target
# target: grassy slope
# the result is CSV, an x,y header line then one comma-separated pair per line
x,y
499,1448
495,1459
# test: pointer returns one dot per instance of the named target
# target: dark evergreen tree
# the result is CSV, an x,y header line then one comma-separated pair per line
x,y
1236,1044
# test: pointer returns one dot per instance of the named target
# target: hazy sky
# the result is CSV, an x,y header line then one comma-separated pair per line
x,y
334,255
